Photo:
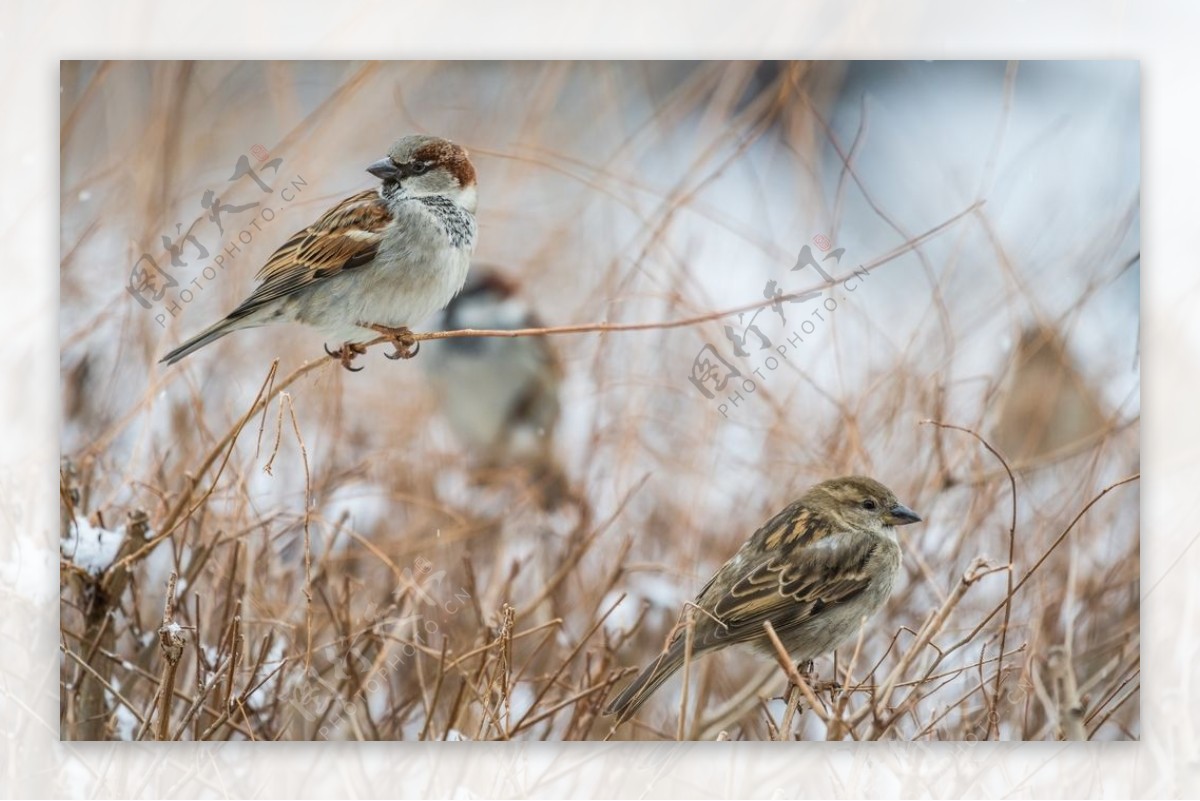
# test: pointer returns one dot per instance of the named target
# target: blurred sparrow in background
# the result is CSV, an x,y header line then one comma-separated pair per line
x,y
1045,404
815,571
500,396
377,262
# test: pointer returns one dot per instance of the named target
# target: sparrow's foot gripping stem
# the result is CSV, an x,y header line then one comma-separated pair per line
x,y
406,345
346,353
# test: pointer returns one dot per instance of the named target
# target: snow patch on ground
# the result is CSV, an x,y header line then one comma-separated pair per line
x,y
91,548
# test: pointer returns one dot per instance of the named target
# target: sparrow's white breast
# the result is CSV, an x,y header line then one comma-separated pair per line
x,y
420,265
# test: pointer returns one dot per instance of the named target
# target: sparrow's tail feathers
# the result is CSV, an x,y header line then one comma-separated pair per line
x,y
637,693
205,337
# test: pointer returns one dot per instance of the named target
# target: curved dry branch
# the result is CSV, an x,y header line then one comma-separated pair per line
x,y
586,328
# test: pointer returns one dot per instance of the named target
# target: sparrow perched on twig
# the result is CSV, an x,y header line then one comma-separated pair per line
x,y
500,396
376,263
816,570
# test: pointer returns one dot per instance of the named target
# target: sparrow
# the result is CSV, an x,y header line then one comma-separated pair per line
x,y
500,396
376,263
816,570
1046,405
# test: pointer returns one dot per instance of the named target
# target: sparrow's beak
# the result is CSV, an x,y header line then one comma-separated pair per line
x,y
901,515
384,169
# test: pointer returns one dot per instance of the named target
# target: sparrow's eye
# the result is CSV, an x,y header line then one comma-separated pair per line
x,y
870,505
419,167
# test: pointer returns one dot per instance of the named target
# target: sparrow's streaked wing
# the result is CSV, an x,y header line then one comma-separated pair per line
x,y
804,570
345,237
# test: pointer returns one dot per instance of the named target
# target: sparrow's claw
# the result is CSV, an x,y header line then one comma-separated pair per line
x,y
404,350
406,346
346,353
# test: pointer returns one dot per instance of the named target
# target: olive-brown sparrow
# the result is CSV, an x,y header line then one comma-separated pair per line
x,y
815,571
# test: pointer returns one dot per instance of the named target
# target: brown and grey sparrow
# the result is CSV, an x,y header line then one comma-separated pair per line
x,y
376,263
500,396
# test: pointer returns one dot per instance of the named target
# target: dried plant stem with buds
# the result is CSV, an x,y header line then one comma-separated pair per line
x,y
170,642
